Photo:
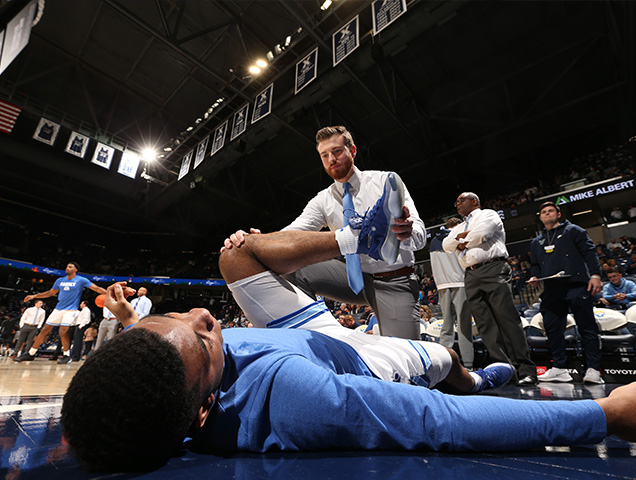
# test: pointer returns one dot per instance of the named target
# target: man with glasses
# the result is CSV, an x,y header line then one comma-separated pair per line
x,y
480,244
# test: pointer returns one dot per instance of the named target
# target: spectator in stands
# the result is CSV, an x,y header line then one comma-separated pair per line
x,y
631,268
604,269
617,214
348,321
427,317
89,339
631,212
619,292
612,263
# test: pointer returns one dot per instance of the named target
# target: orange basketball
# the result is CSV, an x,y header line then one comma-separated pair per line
x,y
100,300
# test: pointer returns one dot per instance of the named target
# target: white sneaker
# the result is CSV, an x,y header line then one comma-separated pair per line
x,y
592,376
556,375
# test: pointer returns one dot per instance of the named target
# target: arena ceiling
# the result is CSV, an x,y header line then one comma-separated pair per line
x,y
455,95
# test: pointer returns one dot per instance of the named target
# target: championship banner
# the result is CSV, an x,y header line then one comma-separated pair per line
x,y
239,122
77,144
47,131
129,164
263,104
8,115
306,70
185,165
103,155
385,12
201,148
219,138
345,40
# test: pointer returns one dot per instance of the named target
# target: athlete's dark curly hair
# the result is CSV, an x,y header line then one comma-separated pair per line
x,y
128,408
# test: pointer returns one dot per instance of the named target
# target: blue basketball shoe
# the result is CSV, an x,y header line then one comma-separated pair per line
x,y
495,375
376,238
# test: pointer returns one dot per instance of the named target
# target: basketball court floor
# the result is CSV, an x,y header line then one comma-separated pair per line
x,y
33,448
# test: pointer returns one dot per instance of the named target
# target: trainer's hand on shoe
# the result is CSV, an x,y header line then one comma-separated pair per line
x,y
403,226
237,239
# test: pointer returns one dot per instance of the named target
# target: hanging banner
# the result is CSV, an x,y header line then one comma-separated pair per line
x,y
47,131
219,138
103,155
345,40
185,165
239,122
129,164
263,104
77,144
306,70
201,148
385,12
8,115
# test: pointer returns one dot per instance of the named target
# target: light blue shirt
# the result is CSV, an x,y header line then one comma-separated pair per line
x,y
70,291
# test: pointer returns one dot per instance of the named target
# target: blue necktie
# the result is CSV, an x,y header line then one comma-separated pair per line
x,y
354,269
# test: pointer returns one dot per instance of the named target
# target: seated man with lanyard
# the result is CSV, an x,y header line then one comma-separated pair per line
x,y
283,387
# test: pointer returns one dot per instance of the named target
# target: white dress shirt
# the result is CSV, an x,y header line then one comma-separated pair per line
x,y
84,318
325,210
33,316
486,240
142,306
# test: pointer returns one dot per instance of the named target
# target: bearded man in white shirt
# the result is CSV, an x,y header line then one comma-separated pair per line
x,y
391,290
480,243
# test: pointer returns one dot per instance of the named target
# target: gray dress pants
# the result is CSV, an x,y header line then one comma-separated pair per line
x,y
107,331
394,299
455,310
26,335
490,299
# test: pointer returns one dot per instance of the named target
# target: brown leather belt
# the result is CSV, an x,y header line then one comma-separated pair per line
x,y
395,273
477,265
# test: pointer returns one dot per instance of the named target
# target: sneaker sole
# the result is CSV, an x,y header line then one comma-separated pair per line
x,y
561,380
393,208
595,382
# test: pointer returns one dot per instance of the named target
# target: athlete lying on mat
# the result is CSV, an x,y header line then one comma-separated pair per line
x,y
287,388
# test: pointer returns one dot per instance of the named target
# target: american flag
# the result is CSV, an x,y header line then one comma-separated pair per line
x,y
8,115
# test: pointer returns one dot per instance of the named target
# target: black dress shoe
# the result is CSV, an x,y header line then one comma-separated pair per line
x,y
528,380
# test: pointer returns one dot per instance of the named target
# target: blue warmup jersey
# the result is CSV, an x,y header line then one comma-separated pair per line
x,y
70,291
300,390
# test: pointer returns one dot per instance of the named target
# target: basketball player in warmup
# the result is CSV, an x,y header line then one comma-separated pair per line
x,y
69,290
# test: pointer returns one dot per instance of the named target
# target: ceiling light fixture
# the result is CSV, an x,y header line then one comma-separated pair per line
x,y
261,63
149,154
581,213
326,5
254,70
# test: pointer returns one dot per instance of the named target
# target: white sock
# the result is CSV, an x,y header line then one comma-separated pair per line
x,y
32,351
67,353
478,381
347,240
